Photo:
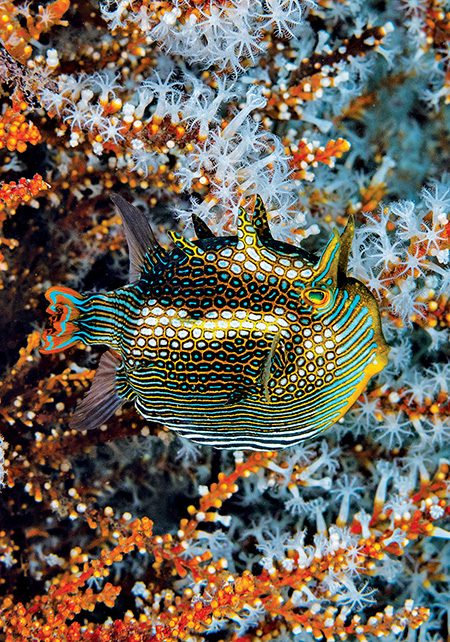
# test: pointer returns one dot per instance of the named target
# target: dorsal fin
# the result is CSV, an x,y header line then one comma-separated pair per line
x,y
102,400
259,219
346,246
140,237
202,231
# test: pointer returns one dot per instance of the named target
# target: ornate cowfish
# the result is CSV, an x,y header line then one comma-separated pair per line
x,y
236,342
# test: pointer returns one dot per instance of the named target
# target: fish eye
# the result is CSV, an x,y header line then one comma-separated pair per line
x,y
316,297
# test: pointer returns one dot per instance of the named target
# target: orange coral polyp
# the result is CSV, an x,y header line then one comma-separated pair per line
x,y
15,133
16,37
15,193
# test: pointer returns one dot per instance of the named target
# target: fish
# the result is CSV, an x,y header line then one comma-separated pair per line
x,y
237,342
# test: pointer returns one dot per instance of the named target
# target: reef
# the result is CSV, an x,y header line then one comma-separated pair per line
x,y
327,109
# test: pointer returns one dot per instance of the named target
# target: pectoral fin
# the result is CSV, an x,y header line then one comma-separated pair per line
x,y
102,400
270,359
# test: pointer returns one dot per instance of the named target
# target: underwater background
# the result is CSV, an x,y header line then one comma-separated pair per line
x,y
326,109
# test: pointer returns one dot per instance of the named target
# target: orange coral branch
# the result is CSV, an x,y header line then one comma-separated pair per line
x,y
309,154
14,194
16,38
15,132
320,71
225,595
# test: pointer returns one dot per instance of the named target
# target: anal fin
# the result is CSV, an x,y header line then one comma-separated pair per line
x,y
102,400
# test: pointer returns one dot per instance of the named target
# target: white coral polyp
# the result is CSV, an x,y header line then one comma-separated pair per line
x,y
223,35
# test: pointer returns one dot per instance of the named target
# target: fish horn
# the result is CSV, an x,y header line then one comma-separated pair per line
x,y
188,247
246,233
328,264
346,245
259,220
202,231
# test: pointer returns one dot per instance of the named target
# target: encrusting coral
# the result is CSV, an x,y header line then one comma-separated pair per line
x,y
327,110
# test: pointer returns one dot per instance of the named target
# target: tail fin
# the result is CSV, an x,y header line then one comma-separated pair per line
x,y
64,309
